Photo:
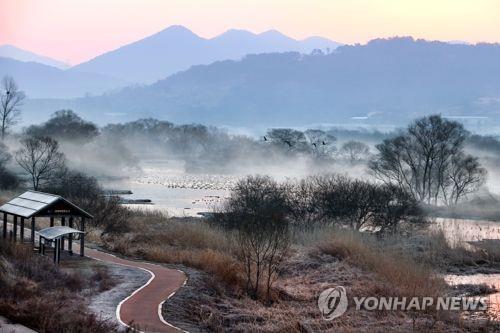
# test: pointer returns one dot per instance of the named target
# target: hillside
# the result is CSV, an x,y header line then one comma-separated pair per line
x,y
10,51
384,81
39,80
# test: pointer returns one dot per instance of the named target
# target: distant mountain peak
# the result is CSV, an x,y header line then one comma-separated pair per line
x,y
177,27
236,32
176,30
273,33
315,38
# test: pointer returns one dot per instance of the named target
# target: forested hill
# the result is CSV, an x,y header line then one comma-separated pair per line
x,y
384,81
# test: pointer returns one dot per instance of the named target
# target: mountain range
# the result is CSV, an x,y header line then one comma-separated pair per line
x,y
169,51
385,81
177,48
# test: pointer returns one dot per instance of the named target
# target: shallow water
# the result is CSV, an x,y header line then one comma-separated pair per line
x,y
460,232
172,190
463,231
489,279
173,201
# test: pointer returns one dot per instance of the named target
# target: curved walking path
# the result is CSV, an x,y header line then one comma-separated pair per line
x,y
143,306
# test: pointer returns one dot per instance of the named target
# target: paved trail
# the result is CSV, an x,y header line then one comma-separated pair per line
x,y
143,307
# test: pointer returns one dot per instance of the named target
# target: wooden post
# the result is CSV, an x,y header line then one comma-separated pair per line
x,y
70,237
82,238
15,227
61,240
52,221
21,231
4,225
40,244
56,249
33,230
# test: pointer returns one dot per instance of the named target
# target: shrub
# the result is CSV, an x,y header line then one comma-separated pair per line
x,y
361,204
257,210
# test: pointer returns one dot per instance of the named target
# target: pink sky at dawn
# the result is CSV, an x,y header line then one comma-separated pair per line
x,y
77,30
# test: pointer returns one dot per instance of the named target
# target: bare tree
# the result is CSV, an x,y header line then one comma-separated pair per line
x,y
355,151
465,175
344,200
11,99
360,204
303,201
257,210
424,161
392,205
321,143
41,159
287,137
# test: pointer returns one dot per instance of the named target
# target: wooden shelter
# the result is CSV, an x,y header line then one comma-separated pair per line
x,y
32,205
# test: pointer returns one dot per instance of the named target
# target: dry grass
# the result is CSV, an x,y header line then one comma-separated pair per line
x,y
426,247
435,250
186,233
401,272
222,266
33,292
190,242
306,276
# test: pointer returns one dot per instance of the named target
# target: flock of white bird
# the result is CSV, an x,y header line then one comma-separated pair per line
x,y
190,181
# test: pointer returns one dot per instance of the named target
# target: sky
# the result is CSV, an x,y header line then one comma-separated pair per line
x,y
78,30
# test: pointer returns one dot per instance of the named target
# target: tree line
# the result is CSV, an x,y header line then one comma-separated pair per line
x,y
427,160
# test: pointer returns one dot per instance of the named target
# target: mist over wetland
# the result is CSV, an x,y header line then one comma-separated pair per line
x,y
246,175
